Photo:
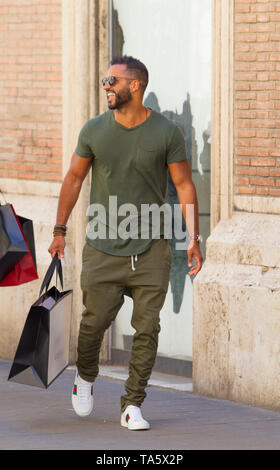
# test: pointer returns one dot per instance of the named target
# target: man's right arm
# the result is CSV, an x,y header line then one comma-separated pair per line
x,y
69,194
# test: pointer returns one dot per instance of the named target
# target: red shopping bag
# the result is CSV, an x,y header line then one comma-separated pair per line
x,y
25,270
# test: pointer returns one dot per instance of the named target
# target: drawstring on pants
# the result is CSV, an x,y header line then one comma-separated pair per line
x,y
132,262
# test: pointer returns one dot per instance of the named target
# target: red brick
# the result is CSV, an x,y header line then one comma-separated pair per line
x,y
246,56
274,172
243,161
245,190
245,95
262,85
267,143
261,105
263,162
246,170
275,17
262,7
243,123
245,18
275,133
245,114
242,181
245,133
262,27
262,181
262,171
242,8
263,18
274,192
243,143
261,191
30,71
264,133
264,123
253,152
242,86
242,105
275,56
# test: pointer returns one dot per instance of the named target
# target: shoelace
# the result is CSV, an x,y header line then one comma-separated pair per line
x,y
84,391
135,413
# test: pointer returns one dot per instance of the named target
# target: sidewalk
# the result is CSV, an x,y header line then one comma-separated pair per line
x,y
33,418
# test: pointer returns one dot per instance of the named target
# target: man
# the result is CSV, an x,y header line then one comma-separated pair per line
x,y
130,149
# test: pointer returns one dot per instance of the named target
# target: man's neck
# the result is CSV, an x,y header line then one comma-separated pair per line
x,y
132,116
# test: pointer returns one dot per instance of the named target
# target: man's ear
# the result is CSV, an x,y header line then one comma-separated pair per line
x,y
134,85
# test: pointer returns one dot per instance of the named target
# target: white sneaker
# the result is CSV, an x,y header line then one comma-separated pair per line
x,y
133,420
82,396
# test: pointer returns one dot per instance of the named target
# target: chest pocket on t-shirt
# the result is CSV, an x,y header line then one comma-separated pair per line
x,y
149,158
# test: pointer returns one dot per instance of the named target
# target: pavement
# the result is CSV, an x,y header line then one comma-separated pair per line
x,y
37,419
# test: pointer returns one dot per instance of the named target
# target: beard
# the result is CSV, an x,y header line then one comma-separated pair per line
x,y
121,99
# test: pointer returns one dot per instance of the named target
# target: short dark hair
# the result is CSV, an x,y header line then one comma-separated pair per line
x,y
139,69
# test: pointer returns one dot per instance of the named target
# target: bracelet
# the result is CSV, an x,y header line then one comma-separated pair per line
x,y
56,232
59,230
63,227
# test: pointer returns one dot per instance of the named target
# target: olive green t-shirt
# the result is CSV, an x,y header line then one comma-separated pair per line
x,y
129,173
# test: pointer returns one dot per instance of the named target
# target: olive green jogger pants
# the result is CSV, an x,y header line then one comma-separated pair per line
x,y
105,279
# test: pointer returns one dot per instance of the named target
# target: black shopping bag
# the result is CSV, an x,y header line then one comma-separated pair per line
x,y
43,350
13,246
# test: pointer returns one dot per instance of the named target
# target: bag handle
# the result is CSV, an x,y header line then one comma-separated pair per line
x,y
55,265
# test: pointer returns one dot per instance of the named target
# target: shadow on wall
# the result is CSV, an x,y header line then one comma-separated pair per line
x,y
180,267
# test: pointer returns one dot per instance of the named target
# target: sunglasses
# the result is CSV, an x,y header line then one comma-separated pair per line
x,y
112,80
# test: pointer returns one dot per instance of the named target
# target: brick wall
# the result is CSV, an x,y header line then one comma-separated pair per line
x,y
257,97
30,89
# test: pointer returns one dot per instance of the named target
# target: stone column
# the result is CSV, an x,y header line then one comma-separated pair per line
x,y
237,310
222,110
236,343
80,103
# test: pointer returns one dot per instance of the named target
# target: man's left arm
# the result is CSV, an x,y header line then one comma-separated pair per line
x,y
181,175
